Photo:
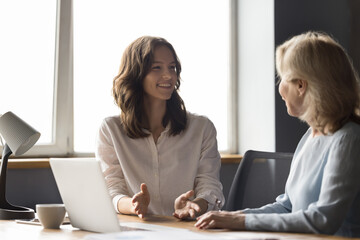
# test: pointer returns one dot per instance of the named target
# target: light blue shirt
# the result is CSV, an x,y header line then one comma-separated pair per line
x,y
322,193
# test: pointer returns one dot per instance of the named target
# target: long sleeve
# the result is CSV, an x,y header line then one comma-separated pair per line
x,y
207,184
114,176
169,167
282,205
323,187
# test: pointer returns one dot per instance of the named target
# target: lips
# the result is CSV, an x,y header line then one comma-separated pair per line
x,y
164,85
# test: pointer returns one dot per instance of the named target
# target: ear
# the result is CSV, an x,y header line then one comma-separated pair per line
x,y
301,87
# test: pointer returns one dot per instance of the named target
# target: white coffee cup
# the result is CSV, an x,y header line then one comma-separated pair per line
x,y
50,215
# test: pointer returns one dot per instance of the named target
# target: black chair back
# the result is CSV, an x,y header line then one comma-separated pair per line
x,y
260,178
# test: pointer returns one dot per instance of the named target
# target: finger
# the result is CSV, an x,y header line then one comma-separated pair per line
x,y
137,207
177,215
144,189
201,223
137,195
135,198
212,224
201,219
183,214
198,223
141,212
189,194
185,196
192,213
195,206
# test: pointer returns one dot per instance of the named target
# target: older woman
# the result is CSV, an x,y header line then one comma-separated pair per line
x,y
322,195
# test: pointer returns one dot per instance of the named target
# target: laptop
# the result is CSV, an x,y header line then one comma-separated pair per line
x,y
83,190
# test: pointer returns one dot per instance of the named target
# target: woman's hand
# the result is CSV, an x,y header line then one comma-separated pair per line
x,y
221,219
140,201
138,204
184,208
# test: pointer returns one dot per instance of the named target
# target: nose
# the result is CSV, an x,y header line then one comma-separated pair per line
x,y
166,74
279,88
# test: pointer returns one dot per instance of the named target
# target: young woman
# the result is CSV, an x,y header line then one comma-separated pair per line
x,y
322,195
157,158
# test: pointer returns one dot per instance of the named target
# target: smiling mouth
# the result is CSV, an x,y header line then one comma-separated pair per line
x,y
164,85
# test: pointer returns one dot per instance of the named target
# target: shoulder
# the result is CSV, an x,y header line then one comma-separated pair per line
x,y
346,141
200,125
350,128
344,150
348,133
111,123
112,119
195,120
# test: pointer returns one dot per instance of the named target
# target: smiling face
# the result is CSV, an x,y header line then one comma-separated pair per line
x,y
160,81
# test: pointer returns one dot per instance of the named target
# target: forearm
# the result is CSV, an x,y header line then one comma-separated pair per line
x,y
290,222
207,182
269,208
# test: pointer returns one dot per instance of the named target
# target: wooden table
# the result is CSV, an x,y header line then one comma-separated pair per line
x,y
13,230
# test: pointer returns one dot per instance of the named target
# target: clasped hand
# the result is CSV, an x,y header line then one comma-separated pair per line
x,y
221,219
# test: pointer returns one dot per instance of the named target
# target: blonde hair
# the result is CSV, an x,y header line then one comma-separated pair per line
x,y
333,93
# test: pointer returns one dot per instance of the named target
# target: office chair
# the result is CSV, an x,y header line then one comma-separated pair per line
x,y
259,179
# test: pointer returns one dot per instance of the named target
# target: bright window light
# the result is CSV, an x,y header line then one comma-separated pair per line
x,y
27,53
199,32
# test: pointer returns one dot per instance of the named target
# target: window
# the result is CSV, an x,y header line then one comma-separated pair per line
x,y
102,31
27,54
91,36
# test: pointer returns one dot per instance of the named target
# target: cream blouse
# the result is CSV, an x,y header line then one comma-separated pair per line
x,y
170,167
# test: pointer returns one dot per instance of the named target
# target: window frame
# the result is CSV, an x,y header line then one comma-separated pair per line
x,y
63,124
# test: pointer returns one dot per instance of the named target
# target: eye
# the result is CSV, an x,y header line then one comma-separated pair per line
x,y
172,67
155,67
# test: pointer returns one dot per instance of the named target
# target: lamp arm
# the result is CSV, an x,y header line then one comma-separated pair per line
x,y
5,156
8,211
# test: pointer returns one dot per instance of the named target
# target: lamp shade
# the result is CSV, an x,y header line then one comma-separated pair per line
x,y
19,135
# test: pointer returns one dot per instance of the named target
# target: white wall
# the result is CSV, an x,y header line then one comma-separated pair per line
x,y
256,71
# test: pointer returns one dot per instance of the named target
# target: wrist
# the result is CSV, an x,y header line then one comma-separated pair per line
x,y
215,205
242,222
125,206
239,218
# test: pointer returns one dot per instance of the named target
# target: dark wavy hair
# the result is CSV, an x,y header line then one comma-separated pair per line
x,y
128,89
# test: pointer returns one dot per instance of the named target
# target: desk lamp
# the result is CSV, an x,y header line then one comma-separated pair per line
x,y
19,138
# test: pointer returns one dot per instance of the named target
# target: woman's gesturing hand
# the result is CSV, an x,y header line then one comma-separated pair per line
x,y
184,208
140,201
